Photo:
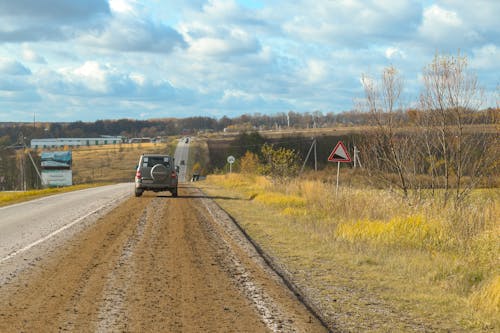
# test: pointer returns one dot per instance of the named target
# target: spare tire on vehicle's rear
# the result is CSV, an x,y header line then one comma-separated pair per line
x,y
159,173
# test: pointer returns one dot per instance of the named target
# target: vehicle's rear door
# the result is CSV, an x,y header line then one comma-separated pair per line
x,y
156,169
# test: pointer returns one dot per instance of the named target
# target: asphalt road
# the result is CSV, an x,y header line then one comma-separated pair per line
x,y
27,224
181,154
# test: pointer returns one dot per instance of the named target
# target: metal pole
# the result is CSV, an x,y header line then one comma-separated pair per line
x,y
338,173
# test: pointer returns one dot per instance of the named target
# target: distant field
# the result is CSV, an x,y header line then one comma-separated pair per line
x,y
111,163
338,130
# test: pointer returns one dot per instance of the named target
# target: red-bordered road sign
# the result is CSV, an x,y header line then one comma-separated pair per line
x,y
339,154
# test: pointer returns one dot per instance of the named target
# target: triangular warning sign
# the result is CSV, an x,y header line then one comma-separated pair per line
x,y
339,154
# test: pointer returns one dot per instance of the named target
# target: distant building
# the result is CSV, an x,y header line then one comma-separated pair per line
x,y
74,142
140,140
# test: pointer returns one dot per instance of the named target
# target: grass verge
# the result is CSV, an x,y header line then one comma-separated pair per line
x,y
371,262
9,198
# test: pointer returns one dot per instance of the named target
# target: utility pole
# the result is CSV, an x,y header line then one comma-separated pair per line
x,y
22,167
313,145
23,163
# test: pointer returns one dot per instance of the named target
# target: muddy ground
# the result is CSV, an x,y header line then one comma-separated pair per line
x,y
153,264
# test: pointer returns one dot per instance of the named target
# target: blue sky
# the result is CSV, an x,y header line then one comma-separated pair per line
x,y
98,59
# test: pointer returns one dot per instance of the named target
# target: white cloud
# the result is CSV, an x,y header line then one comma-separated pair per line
x,y
315,71
450,25
234,94
216,32
130,34
353,22
232,42
91,74
481,15
59,10
437,16
138,78
220,9
486,58
34,20
441,25
88,79
29,55
394,52
122,6
13,67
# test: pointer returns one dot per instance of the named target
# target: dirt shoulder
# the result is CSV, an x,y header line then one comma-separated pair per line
x,y
153,264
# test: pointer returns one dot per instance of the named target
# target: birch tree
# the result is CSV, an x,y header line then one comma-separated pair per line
x,y
450,97
390,149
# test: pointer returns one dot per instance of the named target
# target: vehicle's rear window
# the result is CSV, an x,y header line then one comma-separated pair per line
x,y
151,161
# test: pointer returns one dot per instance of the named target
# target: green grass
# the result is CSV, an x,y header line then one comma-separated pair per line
x,y
396,265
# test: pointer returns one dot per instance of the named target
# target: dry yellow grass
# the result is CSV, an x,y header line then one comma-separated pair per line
x,y
413,231
487,297
440,266
111,163
8,198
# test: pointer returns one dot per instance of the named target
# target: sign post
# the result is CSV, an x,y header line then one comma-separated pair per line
x,y
339,154
230,160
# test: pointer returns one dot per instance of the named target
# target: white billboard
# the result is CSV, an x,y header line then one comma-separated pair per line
x,y
55,178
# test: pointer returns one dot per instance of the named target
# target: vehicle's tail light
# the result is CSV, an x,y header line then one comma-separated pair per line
x,y
174,175
138,174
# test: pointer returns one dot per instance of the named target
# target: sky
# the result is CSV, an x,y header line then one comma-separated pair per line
x,y
86,60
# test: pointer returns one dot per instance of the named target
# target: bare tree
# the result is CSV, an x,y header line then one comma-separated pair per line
x,y
390,149
450,97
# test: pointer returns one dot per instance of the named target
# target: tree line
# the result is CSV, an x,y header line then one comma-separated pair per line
x,y
10,133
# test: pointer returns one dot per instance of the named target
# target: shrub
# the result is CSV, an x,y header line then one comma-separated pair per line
x,y
249,163
280,163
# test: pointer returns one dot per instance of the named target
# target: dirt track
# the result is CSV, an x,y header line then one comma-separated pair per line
x,y
154,264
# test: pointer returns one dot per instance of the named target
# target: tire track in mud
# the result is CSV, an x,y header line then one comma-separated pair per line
x,y
112,314
154,264
58,293
269,310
